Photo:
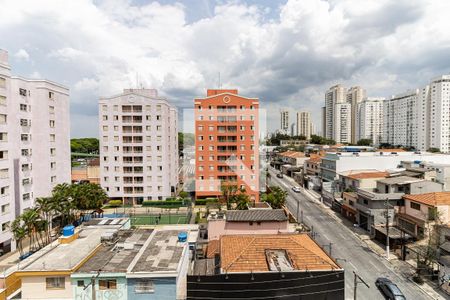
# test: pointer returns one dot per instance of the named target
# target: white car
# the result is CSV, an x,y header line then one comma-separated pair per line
x,y
296,189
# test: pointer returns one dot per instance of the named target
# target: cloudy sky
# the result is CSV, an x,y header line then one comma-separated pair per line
x,y
285,52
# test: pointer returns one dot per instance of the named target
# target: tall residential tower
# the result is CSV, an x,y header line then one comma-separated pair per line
x,y
138,146
34,143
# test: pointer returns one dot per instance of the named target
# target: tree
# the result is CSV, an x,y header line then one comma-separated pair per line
x,y
30,218
84,145
316,139
46,209
277,197
242,200
434,150
185,139
229,191
19,233
364,142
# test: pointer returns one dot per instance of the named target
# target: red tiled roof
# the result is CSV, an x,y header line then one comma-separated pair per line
x,y
247,253
292,154
431,199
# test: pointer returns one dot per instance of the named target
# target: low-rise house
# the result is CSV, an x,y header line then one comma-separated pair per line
x,y
254,221
292,143
421,211
444,258
353,180
311,169
291,158
294,264
372,203
348,209
87,173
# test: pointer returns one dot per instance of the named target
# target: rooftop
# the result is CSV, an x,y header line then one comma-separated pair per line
x,y
400,180
292,154
162,254
431,199
65,257
256,215
278,252
367,175
116,257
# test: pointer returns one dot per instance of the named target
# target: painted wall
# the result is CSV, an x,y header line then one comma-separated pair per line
x,y
216,228
79,293
35,288
164,289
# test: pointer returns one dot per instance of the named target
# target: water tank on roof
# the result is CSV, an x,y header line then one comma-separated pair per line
x,y
182,237
68,230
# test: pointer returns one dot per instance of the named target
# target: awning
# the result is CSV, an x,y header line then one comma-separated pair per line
x,y
411,219
394,232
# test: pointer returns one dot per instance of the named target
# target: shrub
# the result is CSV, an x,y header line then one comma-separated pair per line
x,y
171,203
115,203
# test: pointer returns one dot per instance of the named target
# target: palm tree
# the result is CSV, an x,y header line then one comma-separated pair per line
x,y
277,197
242,201
229,191
30,218
46,209
19,233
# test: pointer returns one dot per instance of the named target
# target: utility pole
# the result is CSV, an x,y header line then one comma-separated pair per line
x,y
355,284
386,203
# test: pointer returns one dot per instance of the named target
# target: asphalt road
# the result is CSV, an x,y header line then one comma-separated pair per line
x,y
351,253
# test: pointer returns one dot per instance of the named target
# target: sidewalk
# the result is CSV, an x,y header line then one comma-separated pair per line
x,y
401,267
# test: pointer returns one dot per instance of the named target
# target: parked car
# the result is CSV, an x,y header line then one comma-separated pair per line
x,y
389,289
280,175
296,189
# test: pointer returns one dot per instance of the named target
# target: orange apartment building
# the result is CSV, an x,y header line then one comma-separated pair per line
x,y
226,143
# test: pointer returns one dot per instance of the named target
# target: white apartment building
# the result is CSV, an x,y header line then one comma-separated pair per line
x,y
434,115
336,94
370,120
34,143
138,146
284,121
342,123
355,96
304,124
400,125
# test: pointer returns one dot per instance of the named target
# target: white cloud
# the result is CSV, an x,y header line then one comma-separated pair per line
x,y
22,54
99,49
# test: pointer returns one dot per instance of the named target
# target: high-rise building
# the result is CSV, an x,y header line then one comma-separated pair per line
x,y
226,142
284,121
355,95
434,115
138,146
304,124
335,95
342,123
34,143
400,125
324,121
370,120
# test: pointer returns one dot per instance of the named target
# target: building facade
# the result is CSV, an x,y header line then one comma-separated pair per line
x,y
138,146
304,124
336,94
227,143
355,96
34,143
284,121
369,122
342,128
400,119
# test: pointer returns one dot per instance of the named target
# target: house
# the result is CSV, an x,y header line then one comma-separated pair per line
x,y
294,264
109,267
311,172
421,211
289,161
371,204
87,173
353,180
348,209
254,221
444,258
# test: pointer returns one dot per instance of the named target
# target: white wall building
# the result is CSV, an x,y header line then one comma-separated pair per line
x,y
342,123
304,124
336,94
138,146
400,113
284,121
355,96
370,120
34,143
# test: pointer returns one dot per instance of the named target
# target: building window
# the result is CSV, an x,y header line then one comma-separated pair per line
x,y
5,226
5,209
22,92
26,197
55,283
144,287
415,205
51,95
107,284
23,107
80,283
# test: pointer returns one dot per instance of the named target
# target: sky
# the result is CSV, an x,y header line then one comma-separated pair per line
x,y
286,53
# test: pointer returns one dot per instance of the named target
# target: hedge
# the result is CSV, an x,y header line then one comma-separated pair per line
x,y
205,201
114,203
167,203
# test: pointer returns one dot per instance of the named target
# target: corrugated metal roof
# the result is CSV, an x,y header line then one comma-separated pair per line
x,y
256,215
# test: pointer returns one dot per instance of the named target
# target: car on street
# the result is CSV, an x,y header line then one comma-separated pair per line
x,y
296,189
280,175
389,289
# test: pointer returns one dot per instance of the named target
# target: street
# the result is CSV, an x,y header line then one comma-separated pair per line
x,y
349,251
